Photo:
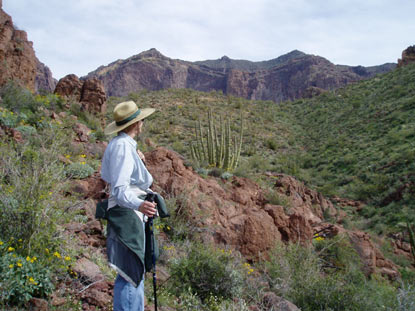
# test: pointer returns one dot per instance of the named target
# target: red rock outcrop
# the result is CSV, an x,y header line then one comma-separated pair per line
x,y
17,57
372,258
238,214
408,56
93,98
90,92
69,86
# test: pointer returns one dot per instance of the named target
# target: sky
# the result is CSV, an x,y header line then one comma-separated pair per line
x,y
78,36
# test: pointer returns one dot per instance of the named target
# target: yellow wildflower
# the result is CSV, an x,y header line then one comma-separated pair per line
x,y
10,249
168,228
83,163
19,264
67,156
27,258
319,238
67,258
83,156
1,243
11,266
47,250
20,240
32,280
56,254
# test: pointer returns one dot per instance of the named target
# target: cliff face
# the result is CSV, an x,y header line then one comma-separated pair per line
x,y
17,57
18,61
284,78
408,56
44,80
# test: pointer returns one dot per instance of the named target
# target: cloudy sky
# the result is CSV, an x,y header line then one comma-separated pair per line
x,y
77,36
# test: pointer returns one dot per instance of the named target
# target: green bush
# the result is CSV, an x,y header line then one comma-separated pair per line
x,y
327,279
207,272
22,277
8,118
17,98
31,178
79,170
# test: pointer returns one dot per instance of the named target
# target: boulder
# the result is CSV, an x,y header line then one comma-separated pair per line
x,y
91,187
37,304
69,86
93,98
88,271
372,258
273,302
90,93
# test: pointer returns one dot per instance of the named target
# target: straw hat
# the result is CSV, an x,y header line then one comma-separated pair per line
x,y
125,114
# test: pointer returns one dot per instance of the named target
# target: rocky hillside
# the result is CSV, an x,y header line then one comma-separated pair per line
x,y
18,59
285,78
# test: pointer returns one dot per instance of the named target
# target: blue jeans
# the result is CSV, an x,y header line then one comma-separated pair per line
x,y
127,297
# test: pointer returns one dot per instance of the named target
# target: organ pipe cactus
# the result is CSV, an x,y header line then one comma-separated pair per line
x,y
411,240
216,147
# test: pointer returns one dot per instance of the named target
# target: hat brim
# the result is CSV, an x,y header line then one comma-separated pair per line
x,y
113,127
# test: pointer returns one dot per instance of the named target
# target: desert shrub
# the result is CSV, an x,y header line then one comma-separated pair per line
x,y
406,298
32,209
79,170
17,98
326,280
26,130
271,144
31,178
206,272
22,278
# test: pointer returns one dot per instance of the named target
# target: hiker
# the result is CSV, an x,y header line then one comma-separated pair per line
x,y
129,182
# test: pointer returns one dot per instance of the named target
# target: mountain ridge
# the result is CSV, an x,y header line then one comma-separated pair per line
x,y
286,77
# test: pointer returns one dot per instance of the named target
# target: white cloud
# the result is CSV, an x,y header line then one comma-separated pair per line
x,y
78,36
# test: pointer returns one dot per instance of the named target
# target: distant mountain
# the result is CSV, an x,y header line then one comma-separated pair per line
x,y
287,77
225,63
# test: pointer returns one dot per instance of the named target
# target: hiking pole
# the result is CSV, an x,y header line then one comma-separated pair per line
x,y
150,198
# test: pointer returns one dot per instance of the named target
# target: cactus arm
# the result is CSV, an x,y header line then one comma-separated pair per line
x,y
411,240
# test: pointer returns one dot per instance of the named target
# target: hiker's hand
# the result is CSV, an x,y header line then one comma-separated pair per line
x,y
141,155
148,208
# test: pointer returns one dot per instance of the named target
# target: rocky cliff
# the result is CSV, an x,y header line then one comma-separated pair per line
x,y
44,80
18,61
17,57
408,56
284,78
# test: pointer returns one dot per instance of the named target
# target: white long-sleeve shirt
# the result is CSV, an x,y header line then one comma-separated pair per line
x,y
123,169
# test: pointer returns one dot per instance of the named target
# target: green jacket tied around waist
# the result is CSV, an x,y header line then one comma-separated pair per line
x,y
127,239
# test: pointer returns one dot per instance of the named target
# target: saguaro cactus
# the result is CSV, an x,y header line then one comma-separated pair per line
x,y
217,149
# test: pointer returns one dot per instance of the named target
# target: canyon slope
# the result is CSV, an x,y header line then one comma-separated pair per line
x,y
290,76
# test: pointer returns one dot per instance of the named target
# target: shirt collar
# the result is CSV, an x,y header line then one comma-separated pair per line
x,y
129,139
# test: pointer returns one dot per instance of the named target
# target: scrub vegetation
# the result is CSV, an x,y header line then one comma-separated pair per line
x,y
357,142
